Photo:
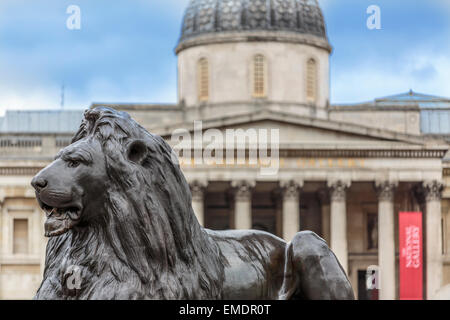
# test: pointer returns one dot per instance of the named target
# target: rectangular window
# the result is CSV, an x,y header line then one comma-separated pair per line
x,y
20,236
311,80
259,84
203,80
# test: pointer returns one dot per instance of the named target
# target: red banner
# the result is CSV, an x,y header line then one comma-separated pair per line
x,y
411,256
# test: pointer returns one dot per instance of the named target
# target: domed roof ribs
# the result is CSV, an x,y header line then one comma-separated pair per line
x,y
244,13
272,19
194,24
216,16
209,17
298,12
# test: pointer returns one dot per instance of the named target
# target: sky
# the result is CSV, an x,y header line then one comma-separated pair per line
x,y
124,51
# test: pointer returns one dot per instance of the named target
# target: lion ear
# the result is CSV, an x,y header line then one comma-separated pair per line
x,y
137,151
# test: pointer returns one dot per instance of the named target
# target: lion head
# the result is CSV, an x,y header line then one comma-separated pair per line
x,y
71,189
117,189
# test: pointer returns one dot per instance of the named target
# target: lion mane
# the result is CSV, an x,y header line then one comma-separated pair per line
x,y
148,243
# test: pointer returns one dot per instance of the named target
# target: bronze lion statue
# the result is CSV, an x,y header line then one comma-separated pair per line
x,y
121,226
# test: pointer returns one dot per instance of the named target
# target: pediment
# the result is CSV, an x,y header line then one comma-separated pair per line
x,y
307,136
311,133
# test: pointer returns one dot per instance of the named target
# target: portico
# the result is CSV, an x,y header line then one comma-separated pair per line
x,y
347,212
349,196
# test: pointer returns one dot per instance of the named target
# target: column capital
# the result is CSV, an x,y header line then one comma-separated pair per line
x,y
243,189
198,188
385,190
291,188
338,189
432,190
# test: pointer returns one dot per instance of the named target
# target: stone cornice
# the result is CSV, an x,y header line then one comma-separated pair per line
x,y
356,153
253,36
290,153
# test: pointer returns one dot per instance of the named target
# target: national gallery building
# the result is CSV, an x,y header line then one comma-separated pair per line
x,y
343,171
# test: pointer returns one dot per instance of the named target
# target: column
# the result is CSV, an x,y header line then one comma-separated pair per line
x,y
324,199
291,208
338,221
243,204
197,191
433,237
386,239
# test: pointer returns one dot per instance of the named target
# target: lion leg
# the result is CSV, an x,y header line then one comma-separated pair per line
x,y
312,271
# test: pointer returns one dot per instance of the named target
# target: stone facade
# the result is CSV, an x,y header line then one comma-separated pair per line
x,y
334,182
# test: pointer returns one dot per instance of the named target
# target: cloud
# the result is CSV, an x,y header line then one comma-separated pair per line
x,y
410,52
423,72
124,52
39,98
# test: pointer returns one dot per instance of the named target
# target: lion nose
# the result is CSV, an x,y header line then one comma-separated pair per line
x,y
38,183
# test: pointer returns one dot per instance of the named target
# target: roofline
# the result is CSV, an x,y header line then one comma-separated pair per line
x,y
374,107
139,106
302,120
413,94
408,103
43,110
32,133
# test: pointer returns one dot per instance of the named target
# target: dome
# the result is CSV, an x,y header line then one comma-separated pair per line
x,y
213,17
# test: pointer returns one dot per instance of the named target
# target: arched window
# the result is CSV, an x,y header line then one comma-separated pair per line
x,y
311,80
203,79
259,76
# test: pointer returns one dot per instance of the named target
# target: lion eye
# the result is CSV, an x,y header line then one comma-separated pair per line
x,y
73,163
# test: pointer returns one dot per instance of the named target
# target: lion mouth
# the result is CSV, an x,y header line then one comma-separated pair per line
x,y
61,213
60,220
